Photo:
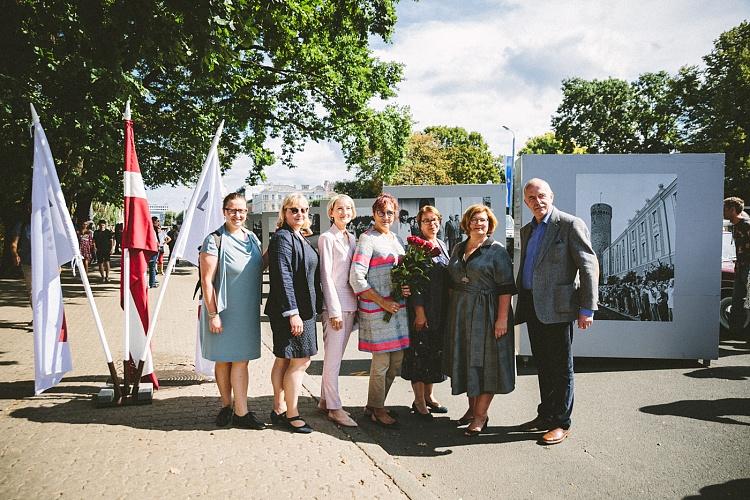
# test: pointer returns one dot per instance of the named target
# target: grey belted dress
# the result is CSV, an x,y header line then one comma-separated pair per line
x,y
473,358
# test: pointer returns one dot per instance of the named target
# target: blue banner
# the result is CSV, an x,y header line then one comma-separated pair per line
x,y
509,183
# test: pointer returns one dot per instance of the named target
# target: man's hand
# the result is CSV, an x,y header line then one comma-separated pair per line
x,y
584,321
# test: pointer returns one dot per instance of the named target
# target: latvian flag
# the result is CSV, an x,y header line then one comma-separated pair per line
x,y
139,238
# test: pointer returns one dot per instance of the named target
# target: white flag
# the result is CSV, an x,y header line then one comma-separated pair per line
x,y
203,216
53,243
204,213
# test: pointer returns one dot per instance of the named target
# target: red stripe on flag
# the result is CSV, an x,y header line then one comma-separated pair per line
x,y
63,331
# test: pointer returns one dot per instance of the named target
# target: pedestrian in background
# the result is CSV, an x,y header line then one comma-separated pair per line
x,y
103,239
86,244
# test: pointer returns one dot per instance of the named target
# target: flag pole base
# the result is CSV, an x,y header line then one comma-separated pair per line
x,y
107,396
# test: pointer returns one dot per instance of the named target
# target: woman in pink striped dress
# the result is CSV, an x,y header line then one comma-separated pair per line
x,y
378,250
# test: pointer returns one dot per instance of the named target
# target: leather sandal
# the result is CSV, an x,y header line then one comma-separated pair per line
x,y
476,432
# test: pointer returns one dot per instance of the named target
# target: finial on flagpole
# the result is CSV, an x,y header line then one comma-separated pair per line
x,y
34,116
126,114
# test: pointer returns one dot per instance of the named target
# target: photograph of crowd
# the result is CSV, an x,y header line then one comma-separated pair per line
x,y
632,222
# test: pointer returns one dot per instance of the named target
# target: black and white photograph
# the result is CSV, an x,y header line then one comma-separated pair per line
x,y
632,222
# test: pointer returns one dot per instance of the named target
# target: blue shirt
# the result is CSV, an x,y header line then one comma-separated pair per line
x,y
532,249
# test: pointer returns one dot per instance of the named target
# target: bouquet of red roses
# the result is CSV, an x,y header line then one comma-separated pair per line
x,y
413,269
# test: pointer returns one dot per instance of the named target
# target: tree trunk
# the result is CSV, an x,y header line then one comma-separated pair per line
x,y
8,267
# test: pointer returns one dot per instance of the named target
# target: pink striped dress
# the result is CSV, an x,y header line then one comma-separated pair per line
x,y
375,255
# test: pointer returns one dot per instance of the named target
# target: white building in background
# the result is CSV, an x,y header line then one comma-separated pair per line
x,y
269,198
647,241
158,210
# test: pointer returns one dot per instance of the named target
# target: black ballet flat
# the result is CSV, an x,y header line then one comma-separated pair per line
x,y
248,421
436,408
423,416
391,413
278,418
474,432
224,416
303,429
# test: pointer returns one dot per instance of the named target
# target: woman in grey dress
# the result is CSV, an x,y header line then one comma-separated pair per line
x,y
479,351
230,315
293,302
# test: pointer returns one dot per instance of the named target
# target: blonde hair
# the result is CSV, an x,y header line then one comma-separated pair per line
x,y
472,211
290,200
340,197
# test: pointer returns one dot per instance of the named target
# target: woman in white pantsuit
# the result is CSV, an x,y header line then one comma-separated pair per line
x,y
336,248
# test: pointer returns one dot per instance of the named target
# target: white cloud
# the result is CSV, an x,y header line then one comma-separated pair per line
x,y
480,64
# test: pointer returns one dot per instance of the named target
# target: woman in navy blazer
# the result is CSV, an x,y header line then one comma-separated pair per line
x,y
293,303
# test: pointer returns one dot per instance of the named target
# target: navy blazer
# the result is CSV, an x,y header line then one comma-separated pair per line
x,y
290,286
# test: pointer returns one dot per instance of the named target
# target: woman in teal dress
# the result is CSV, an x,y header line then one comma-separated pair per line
x,y
230,315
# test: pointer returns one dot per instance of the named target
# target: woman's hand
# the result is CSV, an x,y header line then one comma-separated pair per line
x,y
420,319
214,324
389,305
295,325
405,290
501,327
336,323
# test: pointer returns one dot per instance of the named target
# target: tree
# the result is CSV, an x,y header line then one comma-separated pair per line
x,y
468,154
614,116
546,144
716,105
426,162
289,69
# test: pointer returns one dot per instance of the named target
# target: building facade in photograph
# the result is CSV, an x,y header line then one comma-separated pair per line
x,y
647,241
158,210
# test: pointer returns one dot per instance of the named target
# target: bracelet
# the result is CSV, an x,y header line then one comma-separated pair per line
x,y
213,314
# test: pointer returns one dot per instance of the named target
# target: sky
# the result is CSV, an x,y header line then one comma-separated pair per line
x,y
481,64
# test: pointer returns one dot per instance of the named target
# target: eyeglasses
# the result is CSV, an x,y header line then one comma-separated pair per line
x,y
236,211
387,213
430,221
296,210
478,220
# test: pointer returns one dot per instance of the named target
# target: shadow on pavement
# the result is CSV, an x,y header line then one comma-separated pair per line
x,y
736,488
722,372
718,410
599,365
25,326
349,367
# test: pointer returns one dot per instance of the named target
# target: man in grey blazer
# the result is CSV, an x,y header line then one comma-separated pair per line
x,y
557,284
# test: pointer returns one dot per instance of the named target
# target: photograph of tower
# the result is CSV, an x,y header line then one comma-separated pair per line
x,y
632,221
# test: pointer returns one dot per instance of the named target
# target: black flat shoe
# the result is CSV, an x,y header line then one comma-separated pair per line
x,y
278,418
224,416
423,416
475,432
248,421
436,408
464,421
303,429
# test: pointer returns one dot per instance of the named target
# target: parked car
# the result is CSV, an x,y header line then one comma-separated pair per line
x,y
728,256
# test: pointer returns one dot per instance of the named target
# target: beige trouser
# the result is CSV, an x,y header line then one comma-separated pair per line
x,y
384,368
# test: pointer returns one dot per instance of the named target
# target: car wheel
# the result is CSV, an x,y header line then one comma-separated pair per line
x,y
725,312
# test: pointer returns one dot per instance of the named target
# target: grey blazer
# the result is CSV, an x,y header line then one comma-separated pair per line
x,y
566,271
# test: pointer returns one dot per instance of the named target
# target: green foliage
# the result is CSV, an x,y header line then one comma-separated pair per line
x,y
697,110
292,70
359,188
169,218
546,144
716,105
426,163
614,116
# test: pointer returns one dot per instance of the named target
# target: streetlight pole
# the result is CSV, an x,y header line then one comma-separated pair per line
x,y
509,172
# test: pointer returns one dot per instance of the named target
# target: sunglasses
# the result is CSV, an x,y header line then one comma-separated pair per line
x,y
296,210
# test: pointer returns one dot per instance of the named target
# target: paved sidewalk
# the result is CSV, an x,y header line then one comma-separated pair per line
x,y
643,429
